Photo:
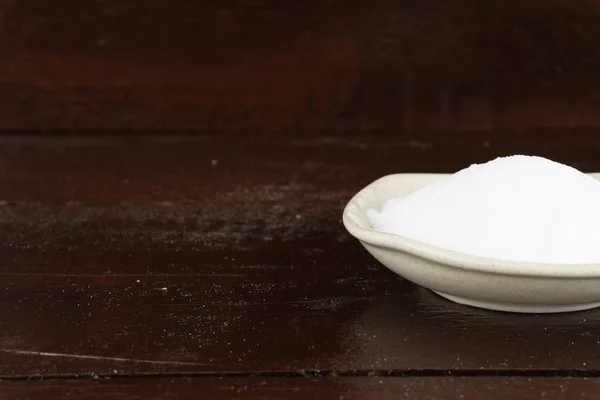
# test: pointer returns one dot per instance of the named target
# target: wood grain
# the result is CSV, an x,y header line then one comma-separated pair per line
x,y
276,65
205,254
303,388
123,298
188,278
255,167
173,265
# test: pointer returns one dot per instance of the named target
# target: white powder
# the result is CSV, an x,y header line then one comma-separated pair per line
x,y
518,208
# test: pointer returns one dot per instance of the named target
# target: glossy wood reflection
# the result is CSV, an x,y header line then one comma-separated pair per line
x,y
166,261
190,312
302,388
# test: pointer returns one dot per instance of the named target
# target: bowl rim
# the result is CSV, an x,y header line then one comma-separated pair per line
x,y
452,258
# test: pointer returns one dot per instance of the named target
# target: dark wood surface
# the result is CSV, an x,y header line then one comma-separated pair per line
x,y
261,388
172,177
207,256
316,64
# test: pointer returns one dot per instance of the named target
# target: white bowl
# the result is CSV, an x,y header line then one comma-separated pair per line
x,y
476,281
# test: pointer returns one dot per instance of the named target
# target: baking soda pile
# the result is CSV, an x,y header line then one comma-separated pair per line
x,y
518,208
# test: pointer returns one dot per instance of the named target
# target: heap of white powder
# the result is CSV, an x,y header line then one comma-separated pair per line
x,y
518,208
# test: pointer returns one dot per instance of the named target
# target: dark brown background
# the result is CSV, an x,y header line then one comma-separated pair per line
x,y
313,65
172,176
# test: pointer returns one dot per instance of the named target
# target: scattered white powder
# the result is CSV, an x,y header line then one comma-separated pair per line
x,y
518,208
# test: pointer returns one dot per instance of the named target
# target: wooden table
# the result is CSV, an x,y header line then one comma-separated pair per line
x,y
173,173
160,265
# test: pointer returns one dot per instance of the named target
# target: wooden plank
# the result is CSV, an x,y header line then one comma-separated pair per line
x,y
236,64
303,388
144,289
291,169
181,269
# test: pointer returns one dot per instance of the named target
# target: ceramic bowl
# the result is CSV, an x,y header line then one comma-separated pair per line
x,y
476,281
